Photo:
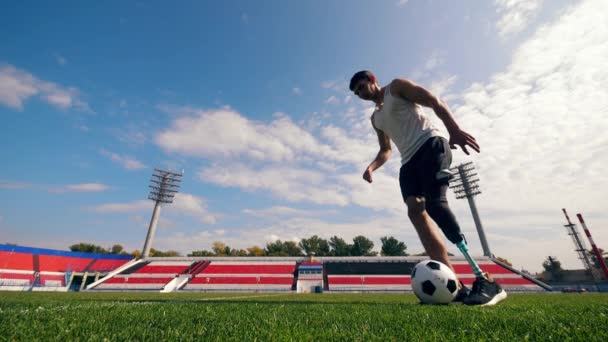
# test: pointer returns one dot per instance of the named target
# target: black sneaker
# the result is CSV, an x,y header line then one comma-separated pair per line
x,y
485,292
463,292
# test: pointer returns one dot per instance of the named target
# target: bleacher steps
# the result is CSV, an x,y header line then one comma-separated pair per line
x,y
176,283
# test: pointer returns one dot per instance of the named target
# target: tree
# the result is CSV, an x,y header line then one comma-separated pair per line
x,y
316,245
426,254
219,248
238,252
116,249
276,248
256,251
169,253
280,248
292,248
136,253
504,261
553,267
362,246
88,248
392,247
201,253
339,247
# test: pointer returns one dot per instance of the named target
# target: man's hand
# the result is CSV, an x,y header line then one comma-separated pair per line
x,y
462,139
367,175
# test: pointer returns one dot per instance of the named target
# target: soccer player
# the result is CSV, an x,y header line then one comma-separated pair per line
x,y
424,174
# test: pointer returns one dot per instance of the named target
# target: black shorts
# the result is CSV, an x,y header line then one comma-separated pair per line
x,y
425,173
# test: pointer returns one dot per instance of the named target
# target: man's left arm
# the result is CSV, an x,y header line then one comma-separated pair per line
x,y
417,94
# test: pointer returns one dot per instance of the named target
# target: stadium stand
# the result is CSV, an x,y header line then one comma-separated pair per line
x,y
39,269
146,276
277,274
247,275
369,276
385,276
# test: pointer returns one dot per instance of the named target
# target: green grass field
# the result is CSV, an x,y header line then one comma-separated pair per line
x,y
28,316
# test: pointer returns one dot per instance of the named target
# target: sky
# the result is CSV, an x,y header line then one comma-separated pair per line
x,y
250,100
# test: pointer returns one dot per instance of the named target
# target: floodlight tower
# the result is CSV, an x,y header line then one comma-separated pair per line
x,y
163,187
464,184
598,254
580,247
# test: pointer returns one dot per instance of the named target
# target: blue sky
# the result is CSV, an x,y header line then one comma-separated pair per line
x,y
250,99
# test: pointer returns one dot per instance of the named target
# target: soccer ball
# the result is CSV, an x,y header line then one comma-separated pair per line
x,y
434,282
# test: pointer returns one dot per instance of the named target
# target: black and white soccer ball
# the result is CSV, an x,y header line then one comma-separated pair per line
x,y
434,282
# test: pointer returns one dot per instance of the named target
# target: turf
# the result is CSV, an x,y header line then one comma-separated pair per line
x,y
27,316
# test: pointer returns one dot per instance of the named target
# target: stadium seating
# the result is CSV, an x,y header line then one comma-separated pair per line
x,y
503,276
395,276
369,276
244,276
24,268
152,275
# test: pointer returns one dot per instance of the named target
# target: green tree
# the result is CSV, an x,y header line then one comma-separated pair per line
x,y
339,247
169,253
362,246
426,254
292,248
316,245
88,248
201,253
116,249
553,267
276,248
238,252
392,247
280,248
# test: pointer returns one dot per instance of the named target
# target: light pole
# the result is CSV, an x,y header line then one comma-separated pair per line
x,y
163,187
465,185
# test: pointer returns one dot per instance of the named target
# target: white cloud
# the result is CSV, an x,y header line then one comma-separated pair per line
x,y
441,86
340,86
296,91
288,183
126,162
13,185
434,61
130,135
16,86
87,187
60,59
84,187
402,3
515,15
184,204
82,128
130,207
228,134
333,100
282,211
188,204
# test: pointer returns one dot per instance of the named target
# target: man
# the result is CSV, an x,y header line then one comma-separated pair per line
x,y
424,174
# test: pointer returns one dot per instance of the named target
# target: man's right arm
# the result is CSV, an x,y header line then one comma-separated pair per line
x,y
381,157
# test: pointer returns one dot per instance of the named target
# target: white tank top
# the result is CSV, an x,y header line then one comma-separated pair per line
x,y
405,124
